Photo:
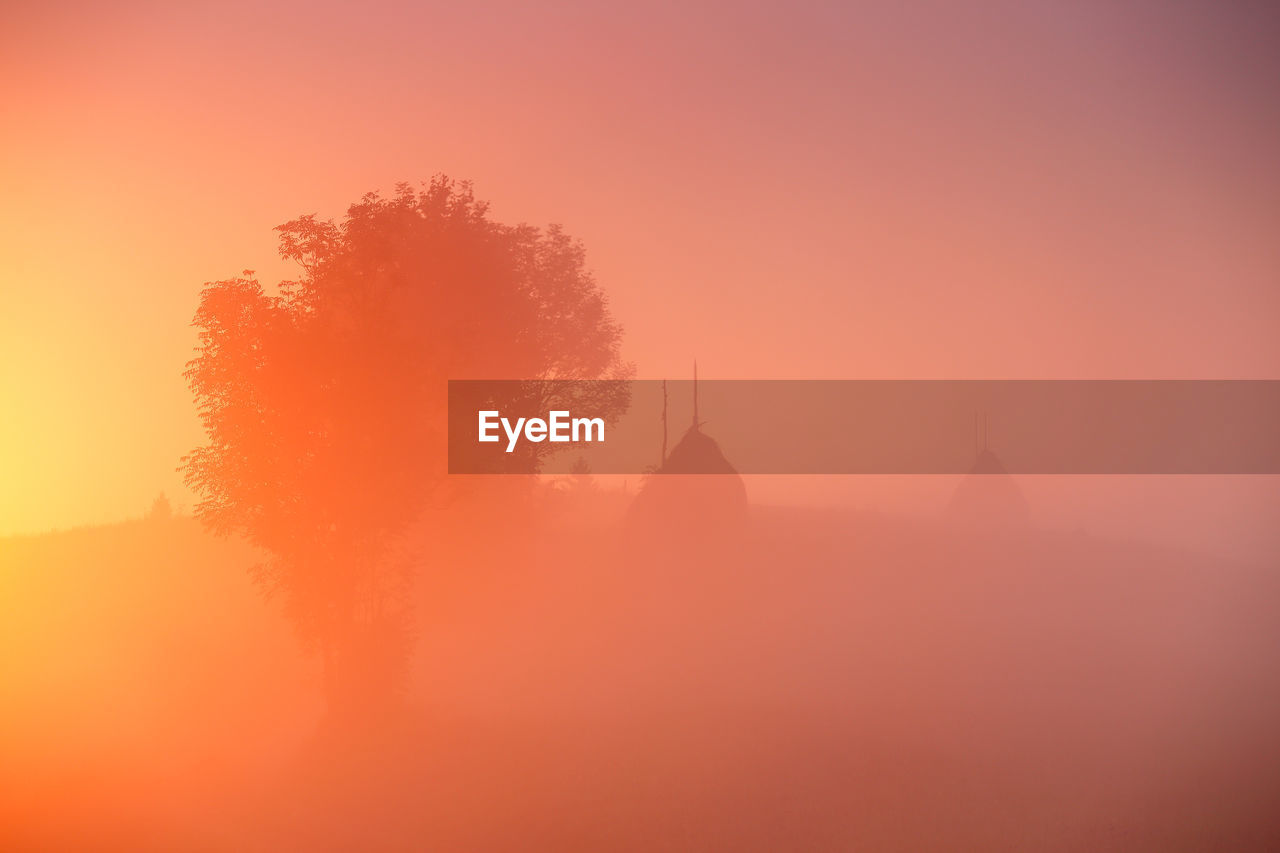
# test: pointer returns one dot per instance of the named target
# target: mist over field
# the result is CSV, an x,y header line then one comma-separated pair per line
x,y
823,679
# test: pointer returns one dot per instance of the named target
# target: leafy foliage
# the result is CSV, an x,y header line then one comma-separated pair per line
x,y
325,404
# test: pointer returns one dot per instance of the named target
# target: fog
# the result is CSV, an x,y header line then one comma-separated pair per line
x,y
584,678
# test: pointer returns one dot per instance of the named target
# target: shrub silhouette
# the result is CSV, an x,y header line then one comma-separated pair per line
x,y
161,508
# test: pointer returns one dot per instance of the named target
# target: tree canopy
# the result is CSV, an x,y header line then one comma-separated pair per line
x,y
324,403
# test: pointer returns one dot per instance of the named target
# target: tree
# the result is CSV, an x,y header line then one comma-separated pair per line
x,y
324,405
161,508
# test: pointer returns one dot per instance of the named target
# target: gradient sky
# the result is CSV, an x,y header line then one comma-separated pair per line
x,y
1016,190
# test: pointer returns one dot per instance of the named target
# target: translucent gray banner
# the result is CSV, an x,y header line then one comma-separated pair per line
x,y
865,427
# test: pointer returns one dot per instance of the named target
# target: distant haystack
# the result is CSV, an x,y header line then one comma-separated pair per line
x,y
698,453
988,497
695,490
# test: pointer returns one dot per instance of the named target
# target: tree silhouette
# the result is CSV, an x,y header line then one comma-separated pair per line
x,y
325,405
161,508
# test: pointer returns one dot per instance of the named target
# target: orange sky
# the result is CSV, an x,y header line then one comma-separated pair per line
x,y
1022,190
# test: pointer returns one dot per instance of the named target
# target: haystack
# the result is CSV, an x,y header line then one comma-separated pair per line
x,y
988,497
695,491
